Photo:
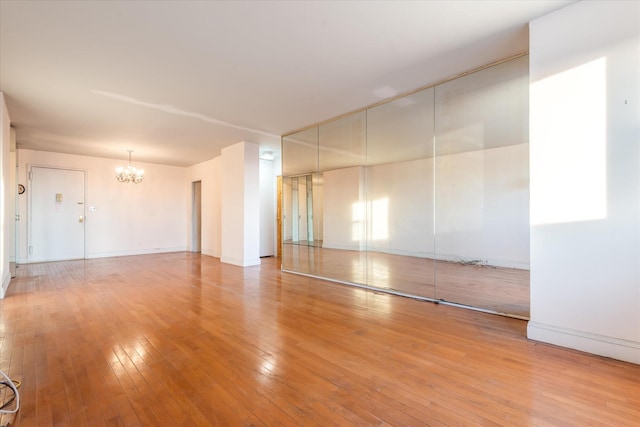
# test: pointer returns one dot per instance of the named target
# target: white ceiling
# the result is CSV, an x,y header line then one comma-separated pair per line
x,y
176,81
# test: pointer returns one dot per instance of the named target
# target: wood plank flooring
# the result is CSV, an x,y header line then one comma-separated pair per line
x,y
181,339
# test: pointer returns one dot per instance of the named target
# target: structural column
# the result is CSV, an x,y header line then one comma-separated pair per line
x,y
585,179
240,205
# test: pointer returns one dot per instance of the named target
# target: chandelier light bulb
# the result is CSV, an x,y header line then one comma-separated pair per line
x,y
129,174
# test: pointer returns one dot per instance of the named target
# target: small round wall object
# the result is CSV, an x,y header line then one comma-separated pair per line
x,y
20,188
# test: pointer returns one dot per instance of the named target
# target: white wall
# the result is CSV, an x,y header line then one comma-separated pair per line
x,y
6,213
209,174
154,216
128,218
11,197
267,207
240,208
585,178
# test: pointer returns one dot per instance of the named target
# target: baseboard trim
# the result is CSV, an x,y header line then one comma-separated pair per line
x,y
240,262
5,285
602,345
135,252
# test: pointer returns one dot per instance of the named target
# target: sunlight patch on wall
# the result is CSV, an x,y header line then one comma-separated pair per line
x,y
357,221
568,145
378,211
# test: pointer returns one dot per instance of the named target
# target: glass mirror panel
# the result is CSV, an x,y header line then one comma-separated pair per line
x,y
343,242
302,210
342,159
426,195
287,223
482,189
317,210
299,161
399,192
401,130
300,153
342,143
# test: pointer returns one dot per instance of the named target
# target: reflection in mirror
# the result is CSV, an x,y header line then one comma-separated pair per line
x,y
299,158
317,203
426,195
399,190
300,153
302,222
342,143
308,185
287,224
482,189
342,149
301,211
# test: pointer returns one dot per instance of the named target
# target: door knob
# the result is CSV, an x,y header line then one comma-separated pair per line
x,y
81,219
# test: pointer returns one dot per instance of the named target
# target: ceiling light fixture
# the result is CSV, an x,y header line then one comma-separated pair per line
x,y
267,155
129,174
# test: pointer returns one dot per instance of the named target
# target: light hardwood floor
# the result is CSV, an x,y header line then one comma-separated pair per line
x,y
181,339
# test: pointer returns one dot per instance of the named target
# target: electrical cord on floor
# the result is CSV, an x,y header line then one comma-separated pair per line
x,y
13,385
13,397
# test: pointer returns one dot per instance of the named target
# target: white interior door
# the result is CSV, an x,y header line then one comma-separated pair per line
x,y
56,214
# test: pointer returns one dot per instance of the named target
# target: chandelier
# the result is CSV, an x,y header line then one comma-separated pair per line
x,y
129,174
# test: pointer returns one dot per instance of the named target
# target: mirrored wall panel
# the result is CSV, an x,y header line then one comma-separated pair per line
x,y
426,195
300,153
399,195
301,221
342,157
342,143
299,218
482,189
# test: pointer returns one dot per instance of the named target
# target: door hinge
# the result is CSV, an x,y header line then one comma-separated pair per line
x,y
30,250
30,176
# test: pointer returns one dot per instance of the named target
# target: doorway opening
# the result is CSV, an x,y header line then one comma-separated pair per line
x,y
196,216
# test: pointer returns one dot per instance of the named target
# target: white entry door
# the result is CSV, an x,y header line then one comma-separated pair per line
x,y
56,215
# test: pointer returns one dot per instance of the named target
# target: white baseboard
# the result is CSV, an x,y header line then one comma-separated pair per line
x,y
135,252
359,247
240,262
93,255
206,251
6,280
602,345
